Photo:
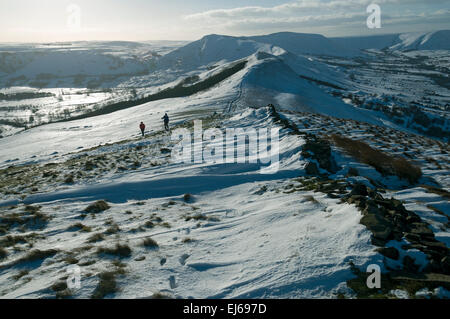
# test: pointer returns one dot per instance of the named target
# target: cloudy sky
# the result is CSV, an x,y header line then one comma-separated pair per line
x,y
140,20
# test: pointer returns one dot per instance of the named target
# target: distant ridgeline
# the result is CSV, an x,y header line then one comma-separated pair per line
x,y
24,96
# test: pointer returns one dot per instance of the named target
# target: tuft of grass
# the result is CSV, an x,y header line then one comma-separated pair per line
x,y
118,250
150,243
80,227
107,285
36,255
187,197
114,229
63,294
160,295
87,263
156,219
32,209
382,162
69,179
71,260
21,273
196,217
187,240
149,224
59,286
97,207
12,240
3,253
96,238
31,217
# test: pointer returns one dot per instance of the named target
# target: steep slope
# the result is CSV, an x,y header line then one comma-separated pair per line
x,y
213,49
439,40
270,80
210,50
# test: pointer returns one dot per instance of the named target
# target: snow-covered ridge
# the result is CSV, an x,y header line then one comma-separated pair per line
x,y
437,40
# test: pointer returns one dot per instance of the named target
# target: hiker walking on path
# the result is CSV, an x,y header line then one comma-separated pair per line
x,y
166,122
142,127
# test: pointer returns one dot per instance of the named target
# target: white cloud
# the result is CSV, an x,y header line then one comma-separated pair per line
x,y
313,13
291,8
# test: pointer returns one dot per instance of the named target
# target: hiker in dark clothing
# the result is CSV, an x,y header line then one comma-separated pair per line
x,y
142,127
166,122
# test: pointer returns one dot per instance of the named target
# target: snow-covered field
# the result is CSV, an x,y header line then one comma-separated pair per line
x,y
215,230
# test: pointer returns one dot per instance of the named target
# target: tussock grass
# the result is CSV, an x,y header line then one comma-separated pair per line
x,y
156,219
150,243
149,224
114,229
3,253
97,207
36,255
59,286
71,260
165,225
69,179
160,295
382,162
12,240
31,217
96,238
120,250
196,217
107,285
21,273
63,294
187,240
80,227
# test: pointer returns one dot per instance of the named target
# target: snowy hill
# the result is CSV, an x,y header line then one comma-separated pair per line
x,y
438,40
270,80
77,64
378,42
302,43
214,49
210,50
